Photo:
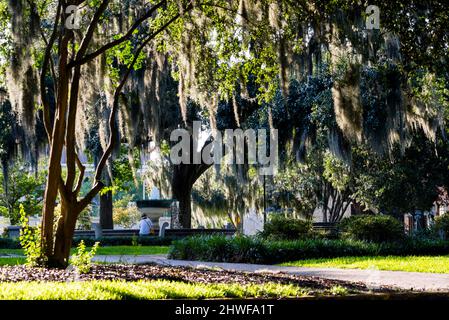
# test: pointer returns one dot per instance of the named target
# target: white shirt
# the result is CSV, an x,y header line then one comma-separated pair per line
x,y
145,226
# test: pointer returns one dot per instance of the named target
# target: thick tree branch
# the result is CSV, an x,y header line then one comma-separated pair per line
x,y
52,65
62,190
71,125
90,196
112,44
112,118
45,65
73,105
82,170
113,135
91,29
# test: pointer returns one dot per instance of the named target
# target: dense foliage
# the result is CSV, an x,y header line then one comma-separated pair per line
x,y
374,228
23,188
280,227
114,79
442,225
256,250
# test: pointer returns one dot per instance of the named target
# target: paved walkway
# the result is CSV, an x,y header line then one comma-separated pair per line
x,y
372,278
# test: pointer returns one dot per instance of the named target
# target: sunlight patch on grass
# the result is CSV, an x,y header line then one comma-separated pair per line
x,y
160,289
132,250
436,264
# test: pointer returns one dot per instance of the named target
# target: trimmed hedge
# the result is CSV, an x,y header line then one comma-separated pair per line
x,y
6,243
124,241
255,250
283,228
374,228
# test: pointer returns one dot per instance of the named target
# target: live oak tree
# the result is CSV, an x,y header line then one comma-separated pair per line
x,y
182,178
293,40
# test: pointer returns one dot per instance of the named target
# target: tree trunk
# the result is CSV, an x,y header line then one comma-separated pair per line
x,y
54,180
183,179
106,204
64,235
181,189
106,207
183,195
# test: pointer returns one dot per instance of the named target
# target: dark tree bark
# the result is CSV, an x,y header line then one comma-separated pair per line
x,y
183,179
106,207
182,193
106,199
185,175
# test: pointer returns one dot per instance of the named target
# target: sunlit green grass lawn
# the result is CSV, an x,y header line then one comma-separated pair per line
x,y
157,289
131,250
11,261
437,264
113,250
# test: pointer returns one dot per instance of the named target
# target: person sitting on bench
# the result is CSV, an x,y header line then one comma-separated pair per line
x,y
145,226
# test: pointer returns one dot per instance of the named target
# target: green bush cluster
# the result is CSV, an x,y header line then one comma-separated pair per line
x,y
220,249
256,250
82,260
373,228
281,227
7,243
442,225
30,240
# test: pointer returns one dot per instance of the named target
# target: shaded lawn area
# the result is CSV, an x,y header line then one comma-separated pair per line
x,y
433,264
157,289
111,250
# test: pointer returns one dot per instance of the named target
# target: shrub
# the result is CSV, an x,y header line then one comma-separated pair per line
x,y
126,217
84,221
82,260
8,243
30,240
281,227
442,225
374,228
425,234
256,250
219,248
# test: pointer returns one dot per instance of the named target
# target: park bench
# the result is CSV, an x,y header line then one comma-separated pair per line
x,y
325,227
